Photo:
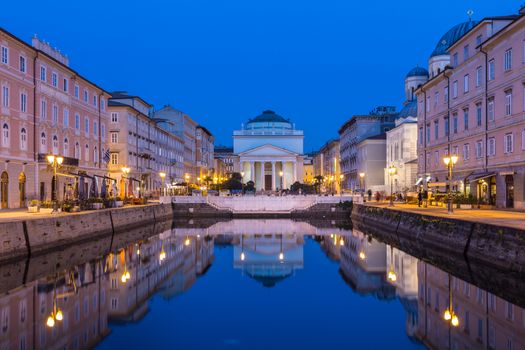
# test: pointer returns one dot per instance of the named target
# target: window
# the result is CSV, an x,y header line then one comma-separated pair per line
x,y
455,150
5,96
103,131
466,53
447,126
65,119
508,102
466,151
23,139
95,154
510,311
94,100
43,73
86,126
66,147
5,320
445,95
103,103
491,69
507,60
455,123
479,38
436,129
455,59
5,135
428,104
421,136
114,117
478,114
114,158
465,118
86,154
492,146
77,121
65,85
465,83
523,146
23,102
22,64
5,55
43,143
479,149
77,91
54,79
55,144
85,96
77,151
114,137
490,109
55,114
95,129
509,143
455,89
428,134
478,76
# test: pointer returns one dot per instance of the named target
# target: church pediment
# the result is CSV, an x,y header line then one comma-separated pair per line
x,y
268,150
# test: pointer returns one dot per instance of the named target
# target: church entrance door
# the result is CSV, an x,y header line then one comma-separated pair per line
x,y
268,182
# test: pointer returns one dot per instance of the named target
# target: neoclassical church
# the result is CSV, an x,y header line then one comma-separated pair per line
x,y
269,152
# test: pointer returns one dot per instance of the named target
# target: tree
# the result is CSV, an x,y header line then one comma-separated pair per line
x,y
318,181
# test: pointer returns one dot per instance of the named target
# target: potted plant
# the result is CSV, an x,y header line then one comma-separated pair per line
x,y
96,203
119,202
34,206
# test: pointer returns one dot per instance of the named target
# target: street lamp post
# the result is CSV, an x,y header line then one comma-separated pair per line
x,y
55,162
392,171
332,187
125,171
281,176
450,161
163,177
187,178
362,184
341,177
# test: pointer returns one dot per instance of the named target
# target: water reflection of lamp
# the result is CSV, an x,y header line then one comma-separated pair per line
x,y
162,254
56,314
125,275
449,315
187,241
362,255
392,277
281,253
243,256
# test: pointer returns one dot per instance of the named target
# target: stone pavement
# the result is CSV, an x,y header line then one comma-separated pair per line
x,y
508,218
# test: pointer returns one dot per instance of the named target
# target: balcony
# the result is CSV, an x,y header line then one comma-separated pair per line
x,y
67,160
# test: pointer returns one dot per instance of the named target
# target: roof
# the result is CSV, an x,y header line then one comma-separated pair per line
x,y
124,95
376,137
451,36
410,110
417,72
268,116
204,129
40,52
223,149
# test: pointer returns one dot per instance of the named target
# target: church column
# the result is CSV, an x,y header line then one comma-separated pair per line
x,y
273,175
294,164
252,170
262,186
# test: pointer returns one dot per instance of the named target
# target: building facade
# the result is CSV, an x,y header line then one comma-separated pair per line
x,y
204,152
356,129
270,152
224,161
474,108
371,159
326,163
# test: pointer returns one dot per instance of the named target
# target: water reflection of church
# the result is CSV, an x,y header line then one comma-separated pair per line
x,y
269,258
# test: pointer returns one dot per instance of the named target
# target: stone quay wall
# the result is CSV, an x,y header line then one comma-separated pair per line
x,y
440,237
20,239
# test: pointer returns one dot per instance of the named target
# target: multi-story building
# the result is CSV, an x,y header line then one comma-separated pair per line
x,y
327,163
182,125
356,129
371,159
47,108
204,152
224,161
308,169
137,143
401,141
473,107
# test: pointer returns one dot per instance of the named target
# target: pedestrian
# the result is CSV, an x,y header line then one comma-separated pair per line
x,y
419,199
369,195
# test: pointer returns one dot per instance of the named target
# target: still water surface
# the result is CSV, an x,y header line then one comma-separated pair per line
x,y
247,284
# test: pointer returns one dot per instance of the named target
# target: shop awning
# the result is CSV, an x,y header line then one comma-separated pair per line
x,y
437,184
477,177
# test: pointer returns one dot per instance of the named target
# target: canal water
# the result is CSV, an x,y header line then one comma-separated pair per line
x,y
250,284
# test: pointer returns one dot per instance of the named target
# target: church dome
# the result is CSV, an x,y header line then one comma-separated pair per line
x,y
417,72
409,110
269,121
453,35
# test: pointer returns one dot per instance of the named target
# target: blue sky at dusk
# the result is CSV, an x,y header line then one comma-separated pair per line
x,y
224,61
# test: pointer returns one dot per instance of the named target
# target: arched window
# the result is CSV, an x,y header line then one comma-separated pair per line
x,y
55,144
43,143
87,153
77,151
66,147
23,139
5,135
95,154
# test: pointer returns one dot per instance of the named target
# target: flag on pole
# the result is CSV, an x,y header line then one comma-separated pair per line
x,y
106,156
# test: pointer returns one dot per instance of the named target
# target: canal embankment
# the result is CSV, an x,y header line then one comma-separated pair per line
x,y
30,237
440,237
